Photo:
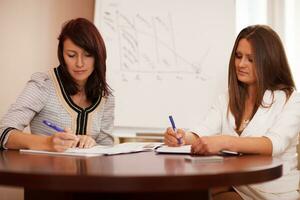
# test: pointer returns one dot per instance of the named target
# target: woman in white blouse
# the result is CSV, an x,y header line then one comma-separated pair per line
x,y
259,114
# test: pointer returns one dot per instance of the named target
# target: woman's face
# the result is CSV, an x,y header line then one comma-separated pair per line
x,y
244,63
80,64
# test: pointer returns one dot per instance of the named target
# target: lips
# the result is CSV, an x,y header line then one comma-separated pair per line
x,y
80,71
243,73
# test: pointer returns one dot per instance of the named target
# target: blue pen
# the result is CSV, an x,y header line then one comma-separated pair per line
x,y
53,126
174,128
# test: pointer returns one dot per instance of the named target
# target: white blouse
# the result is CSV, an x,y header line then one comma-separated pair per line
x,y
280,122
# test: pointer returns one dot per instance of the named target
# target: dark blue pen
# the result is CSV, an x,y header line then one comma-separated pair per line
x,y
174,128
53,126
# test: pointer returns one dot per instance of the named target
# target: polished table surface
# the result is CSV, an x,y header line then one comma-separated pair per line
x,y
129,174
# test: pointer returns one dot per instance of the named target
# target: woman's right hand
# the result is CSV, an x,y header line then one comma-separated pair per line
x,y
174,139
61,141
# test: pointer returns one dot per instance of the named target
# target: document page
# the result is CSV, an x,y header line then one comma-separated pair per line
x,y
99,150
185,149
131,147
201,159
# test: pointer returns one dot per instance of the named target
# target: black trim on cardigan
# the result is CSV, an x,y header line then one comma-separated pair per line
x,y
3,135
82,114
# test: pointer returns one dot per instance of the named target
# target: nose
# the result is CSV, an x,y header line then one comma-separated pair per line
x,y
243,62
79,61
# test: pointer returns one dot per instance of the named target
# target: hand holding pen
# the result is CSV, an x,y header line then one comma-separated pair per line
x,y
62,139
174,136
80,141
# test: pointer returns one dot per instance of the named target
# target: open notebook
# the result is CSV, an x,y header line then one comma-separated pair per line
x,y
99,150
185,149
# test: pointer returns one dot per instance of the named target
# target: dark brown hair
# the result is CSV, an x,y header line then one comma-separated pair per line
x,y
271,68
84,34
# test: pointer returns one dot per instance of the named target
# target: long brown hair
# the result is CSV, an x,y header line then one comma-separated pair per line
x,y
271,68
85,35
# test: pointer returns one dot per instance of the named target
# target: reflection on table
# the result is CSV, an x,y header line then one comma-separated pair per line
x,y
130,176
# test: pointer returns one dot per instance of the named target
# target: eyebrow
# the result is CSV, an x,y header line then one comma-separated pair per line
x,y
244,54
71,50
74,51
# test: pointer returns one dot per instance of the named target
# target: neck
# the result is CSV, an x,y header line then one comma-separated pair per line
x,y
81,89
80,85
251,93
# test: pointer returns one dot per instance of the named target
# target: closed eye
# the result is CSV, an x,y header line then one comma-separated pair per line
x,y
238,55
87,54
71,55
250,60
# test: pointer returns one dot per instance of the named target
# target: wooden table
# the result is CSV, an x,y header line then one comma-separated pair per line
x,y
131,176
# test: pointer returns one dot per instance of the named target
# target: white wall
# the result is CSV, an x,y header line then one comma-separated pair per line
x,y
28,43
29,31
283,17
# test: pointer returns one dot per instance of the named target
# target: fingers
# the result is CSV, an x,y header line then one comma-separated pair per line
x,y
60,144
63,140
172,138
82,141
199,147
75,143
90,143
170,131
180,133
171,141
67,136
86,141
180,136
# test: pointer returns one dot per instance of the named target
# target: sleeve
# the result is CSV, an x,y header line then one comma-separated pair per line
x,y
287,126
29,102
105,137
212,123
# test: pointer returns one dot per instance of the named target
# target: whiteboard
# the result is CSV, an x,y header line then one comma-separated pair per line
x,y
166,57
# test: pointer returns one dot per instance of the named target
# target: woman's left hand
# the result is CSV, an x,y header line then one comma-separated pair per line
x,y
209,145
85,141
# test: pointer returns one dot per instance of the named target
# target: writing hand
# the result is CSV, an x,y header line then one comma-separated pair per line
x,y
85,141
61,141
171,138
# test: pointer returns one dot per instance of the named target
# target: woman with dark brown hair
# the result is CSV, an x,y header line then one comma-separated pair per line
x,y
74,96
260,113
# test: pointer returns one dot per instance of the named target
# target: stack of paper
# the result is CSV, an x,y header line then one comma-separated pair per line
x,y
185,149
196,159
99,150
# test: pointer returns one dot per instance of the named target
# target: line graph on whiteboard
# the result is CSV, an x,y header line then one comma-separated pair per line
x,y
165,57
148,45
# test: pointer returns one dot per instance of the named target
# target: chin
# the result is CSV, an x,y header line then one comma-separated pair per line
x,y
245,81
80,79
79,76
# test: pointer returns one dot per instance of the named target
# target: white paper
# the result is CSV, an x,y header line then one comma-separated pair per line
x,y
99,150
195,159
185,149
59,153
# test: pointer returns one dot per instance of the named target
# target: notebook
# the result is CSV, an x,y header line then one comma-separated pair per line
x,y
185,149
99,150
